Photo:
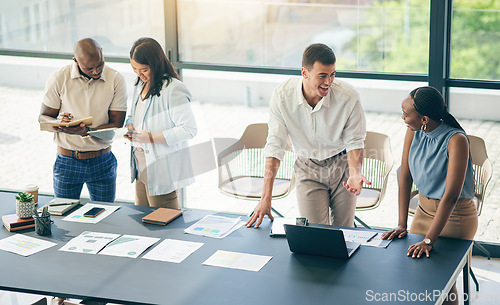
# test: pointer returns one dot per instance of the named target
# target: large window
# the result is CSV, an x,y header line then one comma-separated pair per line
x,y
233,53
475,40
374,36
55,25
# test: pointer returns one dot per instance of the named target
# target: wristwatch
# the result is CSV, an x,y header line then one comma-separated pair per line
x,y
428,241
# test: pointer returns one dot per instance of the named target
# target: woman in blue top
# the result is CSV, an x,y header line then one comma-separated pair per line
x,y
160,124
436,158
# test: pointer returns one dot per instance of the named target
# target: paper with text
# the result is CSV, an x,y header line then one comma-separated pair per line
x,y
365,238
89,242
24,245
215,226
172,250
129,246
77,216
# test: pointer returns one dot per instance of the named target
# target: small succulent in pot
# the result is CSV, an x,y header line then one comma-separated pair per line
x,y
24,205
25,197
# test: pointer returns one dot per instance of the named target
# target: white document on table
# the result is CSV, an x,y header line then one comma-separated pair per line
x,y
129,246
24,245
215,226
235,260
77,216
365,238
89,242
172,250
278,228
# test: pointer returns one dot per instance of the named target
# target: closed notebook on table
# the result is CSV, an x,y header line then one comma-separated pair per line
x,y
162,216
13,223
61,206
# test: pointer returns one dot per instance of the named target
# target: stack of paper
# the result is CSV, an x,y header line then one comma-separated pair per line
x,y
215,226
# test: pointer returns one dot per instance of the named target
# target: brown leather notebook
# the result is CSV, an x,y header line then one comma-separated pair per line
x,y
161,216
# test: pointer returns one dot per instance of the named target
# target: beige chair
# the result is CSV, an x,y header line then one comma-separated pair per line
x,y
241,167
482,175
482,170
377,164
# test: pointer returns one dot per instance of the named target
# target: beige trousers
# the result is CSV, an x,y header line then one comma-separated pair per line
x,y
462,223
142,196
321,197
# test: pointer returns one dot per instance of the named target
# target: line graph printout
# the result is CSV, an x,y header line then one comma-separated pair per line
x,y
24,245
129,246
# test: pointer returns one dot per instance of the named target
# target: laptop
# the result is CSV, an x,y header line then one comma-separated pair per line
x,y
328,242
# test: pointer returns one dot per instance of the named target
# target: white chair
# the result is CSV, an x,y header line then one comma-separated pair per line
x,y
377,164
241,167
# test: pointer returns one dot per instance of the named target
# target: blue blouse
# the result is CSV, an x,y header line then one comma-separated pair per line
x,y
428,162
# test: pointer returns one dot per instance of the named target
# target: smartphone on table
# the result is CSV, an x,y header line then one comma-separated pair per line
x,y
93,212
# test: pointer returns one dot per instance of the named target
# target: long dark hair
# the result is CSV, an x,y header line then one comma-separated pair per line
x,y
148,51
429,102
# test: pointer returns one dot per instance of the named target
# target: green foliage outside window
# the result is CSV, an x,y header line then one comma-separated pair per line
x,y
476,39
393,37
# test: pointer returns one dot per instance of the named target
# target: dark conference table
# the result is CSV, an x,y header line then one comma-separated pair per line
x,y
372,275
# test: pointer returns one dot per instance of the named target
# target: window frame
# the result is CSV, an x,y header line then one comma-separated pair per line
x,y
439,55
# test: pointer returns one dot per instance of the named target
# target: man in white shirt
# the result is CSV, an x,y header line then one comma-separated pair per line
x,y
325,122
85,88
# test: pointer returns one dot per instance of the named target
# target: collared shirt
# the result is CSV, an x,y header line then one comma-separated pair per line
x,y
70,91
336,123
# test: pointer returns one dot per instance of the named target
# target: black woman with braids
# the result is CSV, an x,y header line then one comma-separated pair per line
x,y
436,158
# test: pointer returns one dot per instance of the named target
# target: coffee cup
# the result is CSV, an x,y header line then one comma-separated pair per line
x,y
33,190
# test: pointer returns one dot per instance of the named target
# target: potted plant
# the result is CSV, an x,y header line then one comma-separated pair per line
x,y
24,205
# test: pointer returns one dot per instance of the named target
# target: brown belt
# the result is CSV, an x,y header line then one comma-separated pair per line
x,y
83,154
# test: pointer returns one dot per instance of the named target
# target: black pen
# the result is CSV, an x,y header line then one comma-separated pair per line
x,y
60,203
371,238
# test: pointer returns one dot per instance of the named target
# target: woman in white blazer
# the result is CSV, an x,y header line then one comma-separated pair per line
x,y
159,125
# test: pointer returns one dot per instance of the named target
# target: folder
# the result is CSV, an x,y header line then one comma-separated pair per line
x,y
161,216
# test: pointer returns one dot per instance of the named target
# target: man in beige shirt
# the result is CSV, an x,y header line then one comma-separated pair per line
x,y
86,88
325,122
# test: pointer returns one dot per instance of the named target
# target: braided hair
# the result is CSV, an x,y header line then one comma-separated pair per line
x,y
429,102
